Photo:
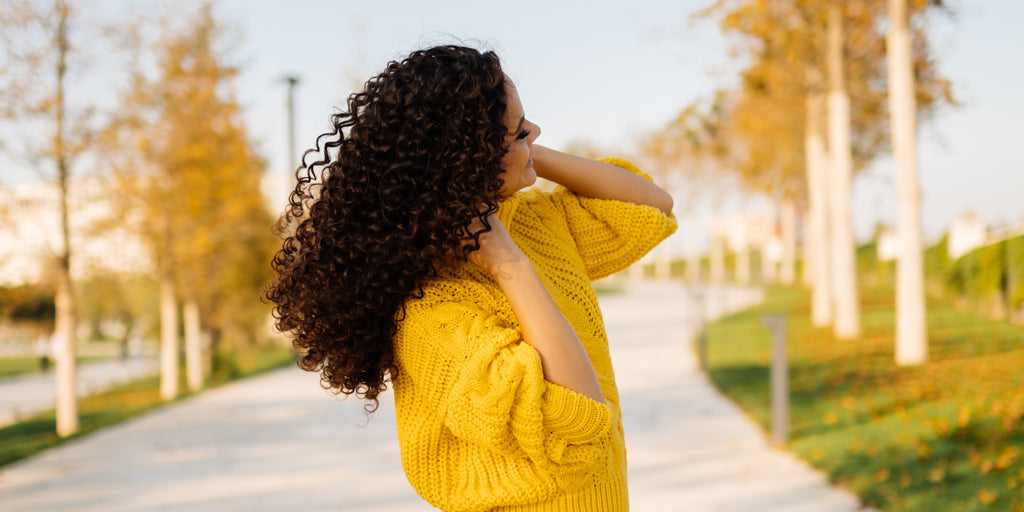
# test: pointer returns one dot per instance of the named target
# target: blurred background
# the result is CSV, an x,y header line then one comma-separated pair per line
x,y
854,157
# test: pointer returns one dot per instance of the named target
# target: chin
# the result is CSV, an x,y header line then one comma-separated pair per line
x,y
529,178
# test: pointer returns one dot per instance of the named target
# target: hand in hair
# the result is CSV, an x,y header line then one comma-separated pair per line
x,y
498,254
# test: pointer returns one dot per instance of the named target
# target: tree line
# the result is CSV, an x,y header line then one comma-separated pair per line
x,y
180,170
827,87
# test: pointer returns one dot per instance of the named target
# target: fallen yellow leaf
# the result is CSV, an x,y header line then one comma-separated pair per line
x,y
964,417
986,496
817,454
1007,457
831,418
848,402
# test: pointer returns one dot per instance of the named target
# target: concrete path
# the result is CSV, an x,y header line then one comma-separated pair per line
x,y
25,396
689,448
279,443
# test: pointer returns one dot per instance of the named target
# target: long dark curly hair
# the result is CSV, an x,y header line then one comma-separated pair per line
x,y
390,193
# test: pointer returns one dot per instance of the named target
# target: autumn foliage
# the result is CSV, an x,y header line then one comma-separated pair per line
x,y
754,130
190,177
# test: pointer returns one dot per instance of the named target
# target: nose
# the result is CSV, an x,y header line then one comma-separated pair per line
x,y
534,132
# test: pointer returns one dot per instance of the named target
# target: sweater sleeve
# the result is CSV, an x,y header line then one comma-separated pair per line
x,y
500,401
611,235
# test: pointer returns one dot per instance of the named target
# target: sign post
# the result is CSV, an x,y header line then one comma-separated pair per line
x,y
780,378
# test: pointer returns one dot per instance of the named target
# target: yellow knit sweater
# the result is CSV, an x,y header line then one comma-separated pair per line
x,y
479,427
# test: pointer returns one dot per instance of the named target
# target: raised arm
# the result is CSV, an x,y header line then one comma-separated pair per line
x,y
597,179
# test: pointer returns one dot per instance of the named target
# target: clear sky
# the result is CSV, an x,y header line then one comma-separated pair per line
x,y
603,71
969,156
610,71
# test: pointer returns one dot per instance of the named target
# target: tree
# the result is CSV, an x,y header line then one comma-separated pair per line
x,y
816,162
911,332
196,178
772,120
787,221
37,61
690,147
844,268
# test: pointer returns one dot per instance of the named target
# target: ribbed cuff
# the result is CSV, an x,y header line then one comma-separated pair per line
x,y
573,417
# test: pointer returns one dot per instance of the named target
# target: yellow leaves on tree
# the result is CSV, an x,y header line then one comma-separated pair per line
x,y
198,178
758,126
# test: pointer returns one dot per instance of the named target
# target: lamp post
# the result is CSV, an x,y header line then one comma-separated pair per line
x,y
292,81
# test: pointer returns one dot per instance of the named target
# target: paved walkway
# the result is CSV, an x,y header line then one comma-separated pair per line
x,y
279,443
25,396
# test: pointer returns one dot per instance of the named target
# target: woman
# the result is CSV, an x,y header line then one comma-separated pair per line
x,y
416,258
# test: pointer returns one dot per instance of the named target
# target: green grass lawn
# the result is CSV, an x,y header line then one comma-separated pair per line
x,y
35,434
945,436
14,366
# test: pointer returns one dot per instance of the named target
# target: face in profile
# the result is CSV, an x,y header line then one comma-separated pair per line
x,y
518,161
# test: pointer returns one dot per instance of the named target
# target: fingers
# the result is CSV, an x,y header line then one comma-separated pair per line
x,y
496,247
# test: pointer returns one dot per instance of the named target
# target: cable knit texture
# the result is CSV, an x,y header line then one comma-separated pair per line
x,y
480,428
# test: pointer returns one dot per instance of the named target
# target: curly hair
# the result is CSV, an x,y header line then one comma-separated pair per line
x,y
393,190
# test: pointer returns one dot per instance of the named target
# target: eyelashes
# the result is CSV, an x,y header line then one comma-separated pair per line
x,y
523,134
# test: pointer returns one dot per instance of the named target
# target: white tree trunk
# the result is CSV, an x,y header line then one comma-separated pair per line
x,y
693,259
693,267
168,340
787,218
717,257
819,259
64,302
64,355
663,264
844,271
769,273
743,265
193,346
807,247
911,330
